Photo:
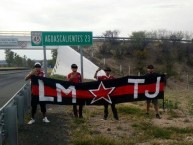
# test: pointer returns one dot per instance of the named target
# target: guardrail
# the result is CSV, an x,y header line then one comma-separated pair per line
x,y
12,115
98,38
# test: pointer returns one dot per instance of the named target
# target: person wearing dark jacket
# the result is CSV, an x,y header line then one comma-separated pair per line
x,y
150,73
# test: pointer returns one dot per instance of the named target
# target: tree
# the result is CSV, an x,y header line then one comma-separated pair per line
x,y
30,63
162,34
54,57
24,61
18,61
138,40
54,54
9,57
111,43
176,37
111,36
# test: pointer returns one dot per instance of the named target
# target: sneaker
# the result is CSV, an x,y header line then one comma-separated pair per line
x,y
31,121
45,119
158,116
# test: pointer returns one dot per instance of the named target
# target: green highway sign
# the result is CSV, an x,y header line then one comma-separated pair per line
x,y
49,38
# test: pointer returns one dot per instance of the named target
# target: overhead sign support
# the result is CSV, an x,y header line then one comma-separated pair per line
x,y
51,38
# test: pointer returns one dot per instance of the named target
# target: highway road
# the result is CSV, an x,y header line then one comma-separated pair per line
x,y
10,83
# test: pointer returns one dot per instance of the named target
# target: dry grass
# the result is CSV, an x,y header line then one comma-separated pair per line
x,y
133,128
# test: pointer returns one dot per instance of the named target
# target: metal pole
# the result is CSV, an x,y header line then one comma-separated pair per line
x,y
81,61
45,61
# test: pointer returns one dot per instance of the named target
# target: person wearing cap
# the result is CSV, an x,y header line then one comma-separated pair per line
x,y
75,77
150,72
107,76
37,71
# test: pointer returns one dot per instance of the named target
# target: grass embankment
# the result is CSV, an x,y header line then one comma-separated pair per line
x,y
12,68
134,127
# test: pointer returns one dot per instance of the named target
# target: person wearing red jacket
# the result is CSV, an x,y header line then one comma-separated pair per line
x,y
37,71
75,77
107,77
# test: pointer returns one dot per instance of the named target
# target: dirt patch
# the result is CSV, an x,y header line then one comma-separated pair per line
x,y
179,121
111,127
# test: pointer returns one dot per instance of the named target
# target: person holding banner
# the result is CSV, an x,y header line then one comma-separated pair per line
x,y
37,71
150,72
107,77
75,77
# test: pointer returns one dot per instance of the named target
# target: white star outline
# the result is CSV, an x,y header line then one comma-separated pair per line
x,y
95,96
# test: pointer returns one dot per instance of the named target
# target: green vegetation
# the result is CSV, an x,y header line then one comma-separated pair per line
x,y
190,106
14,60
153,131
181,143
130,110
170,54
86,132
94,140
58,77
11,68
169,104
134,127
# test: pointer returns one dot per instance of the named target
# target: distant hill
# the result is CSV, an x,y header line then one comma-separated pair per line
x,y
125,58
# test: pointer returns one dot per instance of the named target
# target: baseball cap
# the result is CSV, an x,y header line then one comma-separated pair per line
x,y
37,65
107,69
150,66
74,66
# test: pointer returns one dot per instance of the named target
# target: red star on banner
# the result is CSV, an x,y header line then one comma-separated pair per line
x,y
102,93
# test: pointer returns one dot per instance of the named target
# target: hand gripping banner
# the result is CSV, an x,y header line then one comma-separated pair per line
x,y
120,90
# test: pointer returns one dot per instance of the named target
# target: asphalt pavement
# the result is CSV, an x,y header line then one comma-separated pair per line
x,y
10,83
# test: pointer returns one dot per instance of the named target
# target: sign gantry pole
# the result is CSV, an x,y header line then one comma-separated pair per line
x,y
45,61
81,62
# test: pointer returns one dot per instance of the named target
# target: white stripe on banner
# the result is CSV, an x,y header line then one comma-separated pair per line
x,y
41,92
157,89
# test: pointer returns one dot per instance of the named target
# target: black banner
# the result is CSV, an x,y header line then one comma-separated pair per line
x,y
126,89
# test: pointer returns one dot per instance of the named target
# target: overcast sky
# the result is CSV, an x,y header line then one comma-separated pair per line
x,y
95,15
